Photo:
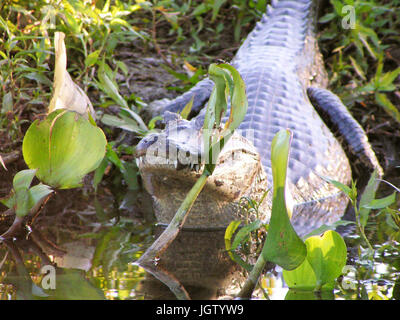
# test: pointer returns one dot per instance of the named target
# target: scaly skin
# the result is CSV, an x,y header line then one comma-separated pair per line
x,y
279,61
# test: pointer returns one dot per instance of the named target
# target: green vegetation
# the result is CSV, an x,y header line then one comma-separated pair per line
x,y
362,61
364,66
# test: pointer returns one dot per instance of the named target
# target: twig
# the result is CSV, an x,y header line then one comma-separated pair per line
x,y
163,241
8,158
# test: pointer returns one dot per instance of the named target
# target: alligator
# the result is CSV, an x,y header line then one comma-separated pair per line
x,y
286,85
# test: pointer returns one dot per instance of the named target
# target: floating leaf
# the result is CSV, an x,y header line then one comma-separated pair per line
x,y
283,246
63,148
326,257
301,278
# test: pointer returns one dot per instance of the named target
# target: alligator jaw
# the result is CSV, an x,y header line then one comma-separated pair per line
x,y
172,160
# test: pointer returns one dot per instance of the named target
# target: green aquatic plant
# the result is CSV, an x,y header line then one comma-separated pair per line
x,y
63,148
282,245
60,149
227,82
24,198
365,203
326,257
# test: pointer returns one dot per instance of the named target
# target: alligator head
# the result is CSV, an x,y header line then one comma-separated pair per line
x,y
170,162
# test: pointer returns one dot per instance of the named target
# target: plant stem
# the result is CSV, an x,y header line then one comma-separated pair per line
x,y
252,279
175,225
361,228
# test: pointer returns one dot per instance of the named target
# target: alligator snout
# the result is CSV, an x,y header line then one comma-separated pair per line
x,y
170,161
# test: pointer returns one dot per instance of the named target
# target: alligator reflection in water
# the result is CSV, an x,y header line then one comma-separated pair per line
x,y
195,265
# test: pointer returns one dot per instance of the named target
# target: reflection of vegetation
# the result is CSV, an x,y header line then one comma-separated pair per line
x,y
117,247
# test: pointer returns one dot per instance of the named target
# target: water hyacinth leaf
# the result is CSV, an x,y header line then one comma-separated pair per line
x,y
37,193
283,246
239,103
23,179
228,83
23,198
293,294
301,278
327,256
21,182
63,148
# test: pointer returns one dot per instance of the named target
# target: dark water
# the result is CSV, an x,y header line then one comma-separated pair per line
x,y
93,244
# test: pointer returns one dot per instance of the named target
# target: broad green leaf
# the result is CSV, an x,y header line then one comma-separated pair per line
x,y
326,257
71,284
283,246
301,278
23,198
294,294
63,148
